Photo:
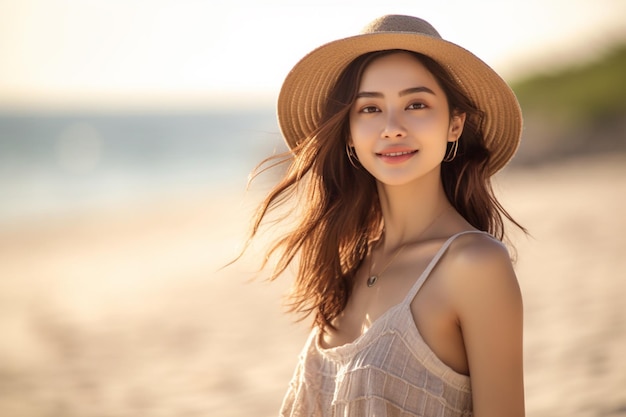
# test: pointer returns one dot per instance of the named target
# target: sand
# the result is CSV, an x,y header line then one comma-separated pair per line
x,y
124,311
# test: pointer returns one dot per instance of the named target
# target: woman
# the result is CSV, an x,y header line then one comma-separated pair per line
x,y
394,135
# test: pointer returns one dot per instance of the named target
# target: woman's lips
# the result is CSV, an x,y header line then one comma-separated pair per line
x,y
396,157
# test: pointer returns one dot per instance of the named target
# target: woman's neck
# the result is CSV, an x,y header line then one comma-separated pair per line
x,y
411,212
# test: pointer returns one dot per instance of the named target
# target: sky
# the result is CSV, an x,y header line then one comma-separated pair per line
x,y
125,54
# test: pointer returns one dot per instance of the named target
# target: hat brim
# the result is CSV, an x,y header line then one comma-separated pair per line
x,y
307,87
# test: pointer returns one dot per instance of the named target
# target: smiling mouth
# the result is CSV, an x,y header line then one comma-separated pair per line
x,y
391,154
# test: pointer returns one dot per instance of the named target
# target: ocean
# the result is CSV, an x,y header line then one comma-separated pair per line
x,y
58,163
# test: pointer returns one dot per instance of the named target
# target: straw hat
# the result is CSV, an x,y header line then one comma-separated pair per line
x,y
308,84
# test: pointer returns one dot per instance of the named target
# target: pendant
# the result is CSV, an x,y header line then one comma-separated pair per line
x,y
371,281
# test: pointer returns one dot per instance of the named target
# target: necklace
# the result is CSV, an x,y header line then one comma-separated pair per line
x,y
373,278
371,281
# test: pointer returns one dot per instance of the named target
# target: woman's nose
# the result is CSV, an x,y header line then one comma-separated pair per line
x,y
394,128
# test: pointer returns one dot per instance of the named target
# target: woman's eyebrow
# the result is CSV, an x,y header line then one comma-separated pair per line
x,y
412,90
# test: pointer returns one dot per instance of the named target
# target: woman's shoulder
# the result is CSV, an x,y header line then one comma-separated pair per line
x,y
476,274
479,260
475,246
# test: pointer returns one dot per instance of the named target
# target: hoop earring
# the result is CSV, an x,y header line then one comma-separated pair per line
x,y
352,156
452,152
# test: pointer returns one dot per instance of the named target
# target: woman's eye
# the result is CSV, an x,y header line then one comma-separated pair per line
x,y
370,109
416,106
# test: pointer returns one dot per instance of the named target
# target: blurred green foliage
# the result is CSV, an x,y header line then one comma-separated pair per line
x,y
588,93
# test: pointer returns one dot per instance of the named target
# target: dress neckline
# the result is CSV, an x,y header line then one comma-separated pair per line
x,y
378,327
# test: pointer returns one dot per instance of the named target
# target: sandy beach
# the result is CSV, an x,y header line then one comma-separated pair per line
x,y
125,311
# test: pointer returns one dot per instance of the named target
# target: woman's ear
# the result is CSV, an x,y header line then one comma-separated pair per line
x,y
457,121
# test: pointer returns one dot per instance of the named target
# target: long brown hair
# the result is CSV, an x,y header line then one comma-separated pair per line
x,y
338,209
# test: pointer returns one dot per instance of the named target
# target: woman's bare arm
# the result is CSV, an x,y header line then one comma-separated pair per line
x,y
490,313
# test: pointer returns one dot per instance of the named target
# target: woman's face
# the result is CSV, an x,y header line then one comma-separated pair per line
x,y
400,123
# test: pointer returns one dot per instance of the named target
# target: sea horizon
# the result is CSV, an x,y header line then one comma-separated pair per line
x,y
66,161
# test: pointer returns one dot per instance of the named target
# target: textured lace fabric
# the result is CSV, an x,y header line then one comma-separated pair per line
x,y
388,371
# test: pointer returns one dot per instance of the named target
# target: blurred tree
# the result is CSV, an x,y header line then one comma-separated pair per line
x,y
577,109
